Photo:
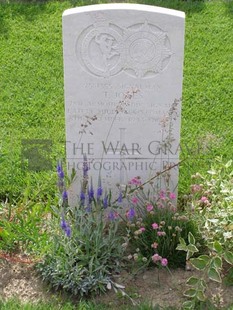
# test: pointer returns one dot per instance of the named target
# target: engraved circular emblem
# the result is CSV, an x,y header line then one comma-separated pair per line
x,y
99,49
141,50
147,50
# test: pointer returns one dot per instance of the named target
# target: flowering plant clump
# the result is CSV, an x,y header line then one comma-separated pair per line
x,y
86,248
155,226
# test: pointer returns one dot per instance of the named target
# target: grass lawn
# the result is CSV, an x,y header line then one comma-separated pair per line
x,y
31,83
32,110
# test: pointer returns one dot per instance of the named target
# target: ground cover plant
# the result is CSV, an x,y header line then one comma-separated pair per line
x,y
31,98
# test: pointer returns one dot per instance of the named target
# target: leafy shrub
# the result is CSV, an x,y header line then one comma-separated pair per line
x,y
211,207
86,247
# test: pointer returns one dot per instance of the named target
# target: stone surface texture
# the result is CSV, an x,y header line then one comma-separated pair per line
x,y
123,87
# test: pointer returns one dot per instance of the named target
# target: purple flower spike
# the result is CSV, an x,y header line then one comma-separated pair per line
x,y
68,231
82,198
99,192
65,227
120,197
63,224
65,196
105,202
131,214
91,192
99,189
60,171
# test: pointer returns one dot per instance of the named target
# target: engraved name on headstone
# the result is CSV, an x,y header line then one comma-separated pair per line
x,y
123,84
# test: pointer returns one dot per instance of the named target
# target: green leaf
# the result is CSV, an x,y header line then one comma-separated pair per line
x,y
203,284
182,241
228,256
206,258
191,238
198,263
214,275
189,305
217,262
201,296
217,247
191,292
192,248
188,255
181,247
192,281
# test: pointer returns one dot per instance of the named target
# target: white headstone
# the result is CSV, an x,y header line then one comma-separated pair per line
x,y
123,84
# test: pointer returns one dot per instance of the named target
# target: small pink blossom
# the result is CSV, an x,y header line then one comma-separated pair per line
x,y
172,196
135,200
154,245
135,181
149,208
142,229
164,262
203,199
162,195
161,233
156,258
195,188
155,226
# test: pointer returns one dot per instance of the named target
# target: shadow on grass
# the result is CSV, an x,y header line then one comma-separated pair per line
x,y
229,7
187,6
28,9
31,8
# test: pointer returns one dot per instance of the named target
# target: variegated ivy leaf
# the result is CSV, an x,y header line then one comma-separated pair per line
x,y
191,292
217,247
228,256
191,238
198,263
200,295
214,275
192,281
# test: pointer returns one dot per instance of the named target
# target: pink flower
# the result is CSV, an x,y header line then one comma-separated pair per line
x,y
195,188
162,195
135,200
155,226
172,196
203,199
154,245
156,258
164,262
161,233
135,181
142,229
149,208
